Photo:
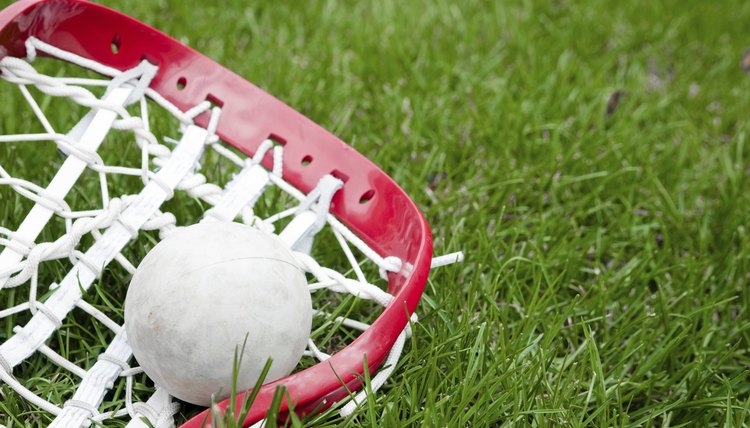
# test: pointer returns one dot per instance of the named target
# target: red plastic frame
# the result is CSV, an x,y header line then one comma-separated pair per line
x,y
389,221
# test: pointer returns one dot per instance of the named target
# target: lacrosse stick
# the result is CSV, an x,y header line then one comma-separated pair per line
x,y
265,145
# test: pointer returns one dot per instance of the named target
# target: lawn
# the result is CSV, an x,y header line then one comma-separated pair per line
x,y
587,156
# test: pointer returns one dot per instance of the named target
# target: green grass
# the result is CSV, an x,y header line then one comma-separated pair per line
x,y
607,251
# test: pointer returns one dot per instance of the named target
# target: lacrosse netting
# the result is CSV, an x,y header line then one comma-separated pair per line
x,y
64,287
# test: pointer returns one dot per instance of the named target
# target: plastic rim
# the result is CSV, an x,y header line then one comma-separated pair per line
x,y
371,204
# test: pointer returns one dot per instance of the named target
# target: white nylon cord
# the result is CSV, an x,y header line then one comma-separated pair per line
x,y
447,259
377,381
120,219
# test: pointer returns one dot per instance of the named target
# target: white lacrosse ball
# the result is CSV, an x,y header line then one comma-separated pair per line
x,y
196,297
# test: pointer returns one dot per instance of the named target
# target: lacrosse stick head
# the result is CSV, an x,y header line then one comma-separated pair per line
x,y
369,203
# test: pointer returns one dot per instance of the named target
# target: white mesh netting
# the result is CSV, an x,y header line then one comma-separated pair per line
x,y
85,181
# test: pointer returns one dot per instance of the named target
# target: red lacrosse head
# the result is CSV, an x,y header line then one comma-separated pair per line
x,y
370,203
